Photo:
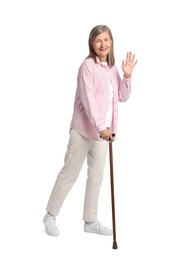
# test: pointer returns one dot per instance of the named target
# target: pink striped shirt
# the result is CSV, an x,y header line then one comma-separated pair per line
x,y
92,96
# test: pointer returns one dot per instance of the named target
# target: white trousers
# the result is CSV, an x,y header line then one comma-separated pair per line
x,y
79,148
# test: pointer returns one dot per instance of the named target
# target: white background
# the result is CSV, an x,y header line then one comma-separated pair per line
x,y
42,44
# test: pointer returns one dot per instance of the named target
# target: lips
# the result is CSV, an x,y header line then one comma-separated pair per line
x,y
102,49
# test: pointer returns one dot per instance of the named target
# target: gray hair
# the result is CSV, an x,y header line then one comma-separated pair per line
x,y
93,34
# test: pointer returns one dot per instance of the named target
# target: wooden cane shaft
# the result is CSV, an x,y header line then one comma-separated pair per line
x,y
112,195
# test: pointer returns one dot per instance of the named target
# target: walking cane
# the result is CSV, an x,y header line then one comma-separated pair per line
x,y
112,194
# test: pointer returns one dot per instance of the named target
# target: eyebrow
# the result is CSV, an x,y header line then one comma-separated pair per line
x,y
104,38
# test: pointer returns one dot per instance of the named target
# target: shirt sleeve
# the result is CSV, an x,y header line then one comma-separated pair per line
x,y
124,88
87,95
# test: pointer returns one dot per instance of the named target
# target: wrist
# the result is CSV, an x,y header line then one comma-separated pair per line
x,y
127,76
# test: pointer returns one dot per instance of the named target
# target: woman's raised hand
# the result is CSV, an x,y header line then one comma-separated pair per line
x,y
129,64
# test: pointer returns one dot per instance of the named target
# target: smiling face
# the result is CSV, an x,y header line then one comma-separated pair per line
x,y
102,45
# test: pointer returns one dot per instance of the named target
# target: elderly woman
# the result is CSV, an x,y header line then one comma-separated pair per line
x,y
94,120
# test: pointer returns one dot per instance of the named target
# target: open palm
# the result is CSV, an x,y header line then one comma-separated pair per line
x,y
128,64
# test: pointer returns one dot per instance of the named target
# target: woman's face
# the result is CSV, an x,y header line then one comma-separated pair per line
x,y
102,45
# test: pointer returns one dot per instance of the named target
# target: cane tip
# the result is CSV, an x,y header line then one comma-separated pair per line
x,y
115,245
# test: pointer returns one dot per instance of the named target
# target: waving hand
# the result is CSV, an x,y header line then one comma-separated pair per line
x,y
128,64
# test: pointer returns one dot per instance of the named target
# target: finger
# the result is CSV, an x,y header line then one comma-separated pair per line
x,y
102,136
133,58
107,137
111,138
130,55
127,56
135,62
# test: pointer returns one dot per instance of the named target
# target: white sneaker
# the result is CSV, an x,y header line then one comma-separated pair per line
x,y
97,228
50,225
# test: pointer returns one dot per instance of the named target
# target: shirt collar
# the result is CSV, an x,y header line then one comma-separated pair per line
x,y
101,62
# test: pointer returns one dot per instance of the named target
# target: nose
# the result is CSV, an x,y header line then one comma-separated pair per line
x,y
102,44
